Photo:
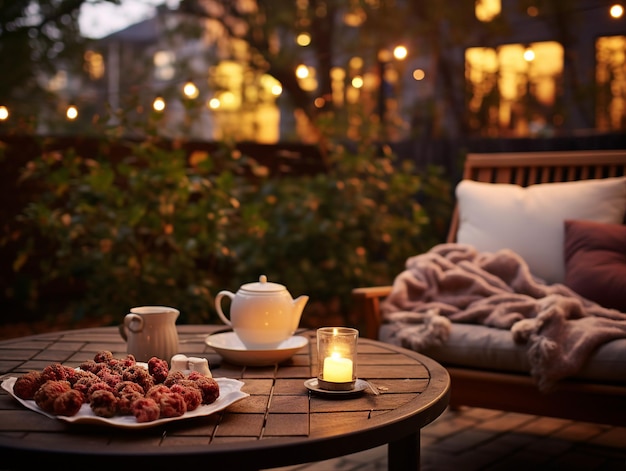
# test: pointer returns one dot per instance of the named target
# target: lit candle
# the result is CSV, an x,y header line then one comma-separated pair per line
x,y
337,369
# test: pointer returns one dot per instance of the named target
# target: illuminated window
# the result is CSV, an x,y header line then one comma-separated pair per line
x,y
514,89
164,65
94,65
487,10
611,83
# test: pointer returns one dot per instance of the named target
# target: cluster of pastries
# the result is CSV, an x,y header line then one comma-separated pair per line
x,y
117,386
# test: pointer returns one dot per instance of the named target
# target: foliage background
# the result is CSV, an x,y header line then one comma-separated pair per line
x,y
162,226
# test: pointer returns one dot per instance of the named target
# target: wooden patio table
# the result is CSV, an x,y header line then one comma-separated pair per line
x,y
281,423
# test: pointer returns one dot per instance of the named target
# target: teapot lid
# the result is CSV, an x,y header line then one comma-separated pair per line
x,y
263,286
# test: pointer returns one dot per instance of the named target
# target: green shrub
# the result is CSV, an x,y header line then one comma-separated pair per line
x,y
162,227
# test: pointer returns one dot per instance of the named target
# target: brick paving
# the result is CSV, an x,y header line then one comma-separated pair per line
x,y
471,439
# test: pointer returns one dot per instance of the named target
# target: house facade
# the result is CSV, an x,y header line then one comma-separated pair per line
x,y
542,73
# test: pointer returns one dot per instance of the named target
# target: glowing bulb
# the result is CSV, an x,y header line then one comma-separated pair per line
x,y
71,113
616,11
487,10
158,104
214,103
303,39
419,74
400,52
302,71
357,82
529,55
190,90
277,90
4,113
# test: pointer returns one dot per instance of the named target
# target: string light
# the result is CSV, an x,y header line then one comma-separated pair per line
x,y
400,52
357,82
303,39
616,11
71,113
529,55
302,71
158,104
419,74
190,90
4,113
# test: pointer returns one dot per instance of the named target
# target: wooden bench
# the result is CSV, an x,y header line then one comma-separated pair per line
x,y
573,399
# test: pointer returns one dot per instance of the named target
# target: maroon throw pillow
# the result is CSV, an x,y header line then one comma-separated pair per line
x,y
595,261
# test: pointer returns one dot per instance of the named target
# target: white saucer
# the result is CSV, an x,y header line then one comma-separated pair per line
x,y
359,386
232,349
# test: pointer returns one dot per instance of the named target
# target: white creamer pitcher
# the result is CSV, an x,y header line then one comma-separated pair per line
x,y
150,331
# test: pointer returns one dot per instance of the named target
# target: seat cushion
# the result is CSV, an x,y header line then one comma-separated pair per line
x,y
487,348
595,262
530,220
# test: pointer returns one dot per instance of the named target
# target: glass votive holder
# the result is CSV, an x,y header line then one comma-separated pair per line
x,y
336,358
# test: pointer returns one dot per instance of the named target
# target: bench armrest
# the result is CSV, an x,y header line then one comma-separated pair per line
x,y
367,301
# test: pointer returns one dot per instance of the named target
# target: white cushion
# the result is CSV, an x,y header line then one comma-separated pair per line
x,y
530,220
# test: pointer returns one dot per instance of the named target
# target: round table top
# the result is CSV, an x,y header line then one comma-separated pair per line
x,y
280,423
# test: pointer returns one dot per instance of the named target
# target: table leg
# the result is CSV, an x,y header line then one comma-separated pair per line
x,y
404,454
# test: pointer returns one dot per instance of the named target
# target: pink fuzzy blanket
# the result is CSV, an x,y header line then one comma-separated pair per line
x,y
455,283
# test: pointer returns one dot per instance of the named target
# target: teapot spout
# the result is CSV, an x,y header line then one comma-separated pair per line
x,y
298,307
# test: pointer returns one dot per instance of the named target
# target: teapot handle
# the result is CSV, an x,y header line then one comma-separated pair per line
x,y
218,305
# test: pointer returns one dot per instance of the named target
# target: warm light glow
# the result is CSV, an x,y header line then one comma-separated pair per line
x,y
400,52
616,11
532,11
94,64
4,113
303,39
213,103
71,113
319,102
611,81
228,100
164,65
337,369
487,10
158,104
190,90
355,17
419,74
302,71
384,55
524,77
271,85
529,55
337,73
357,82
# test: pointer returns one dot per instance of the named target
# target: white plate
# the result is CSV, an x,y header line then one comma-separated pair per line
x,y
229,346
230,392
359,386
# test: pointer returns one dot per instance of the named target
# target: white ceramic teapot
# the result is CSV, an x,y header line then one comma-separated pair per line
x,y
262,314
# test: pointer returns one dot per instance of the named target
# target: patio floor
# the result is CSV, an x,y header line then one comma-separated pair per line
x,y
480,439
